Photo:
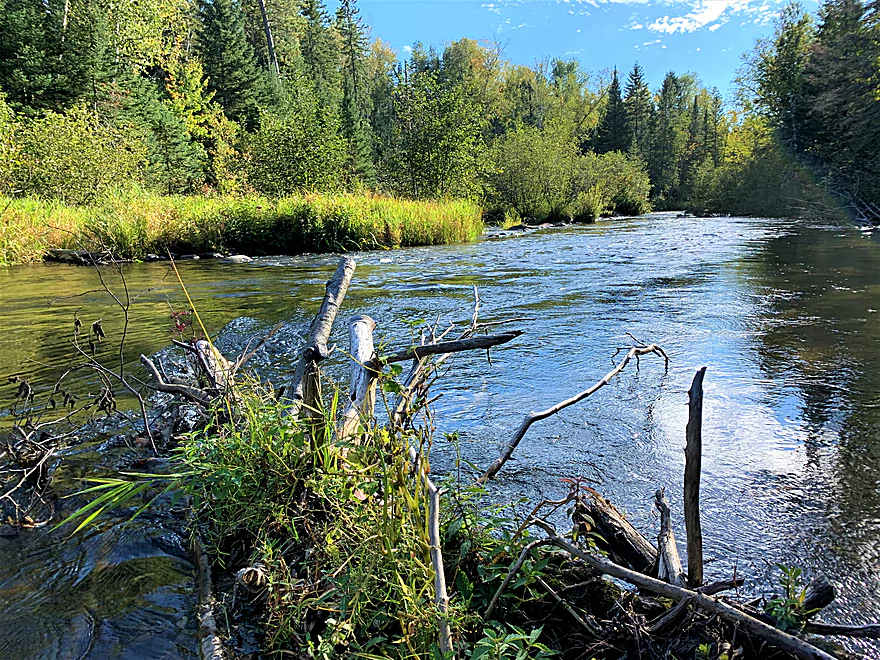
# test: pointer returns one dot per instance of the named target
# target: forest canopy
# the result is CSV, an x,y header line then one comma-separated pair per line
x,y
277,97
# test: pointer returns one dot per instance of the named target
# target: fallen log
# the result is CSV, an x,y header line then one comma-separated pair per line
x,y
669,564
819,594
870,631
624,543
303,387
188,392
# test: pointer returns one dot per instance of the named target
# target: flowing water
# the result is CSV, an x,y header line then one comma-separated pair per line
x,y
784,314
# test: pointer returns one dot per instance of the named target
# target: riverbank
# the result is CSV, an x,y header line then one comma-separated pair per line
x,y
131,227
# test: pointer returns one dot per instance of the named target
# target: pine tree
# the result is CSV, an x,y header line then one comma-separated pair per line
x,y
669,136
355,98
639,108
52,54
320,55
613,134
239,85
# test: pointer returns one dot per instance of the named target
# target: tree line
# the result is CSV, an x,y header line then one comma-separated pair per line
x,y
280,96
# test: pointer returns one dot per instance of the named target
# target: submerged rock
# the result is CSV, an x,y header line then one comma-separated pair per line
x,y
154,257
237,259
76,257
188,257
211,255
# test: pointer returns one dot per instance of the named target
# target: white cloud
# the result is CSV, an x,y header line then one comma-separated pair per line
x,y
407,49
704,13
636,26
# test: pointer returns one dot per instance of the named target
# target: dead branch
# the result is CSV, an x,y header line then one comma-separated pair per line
x,y
512,573
797,647
474,343
692,467
669,566
591,630
305,375
870,631
188,392
533,417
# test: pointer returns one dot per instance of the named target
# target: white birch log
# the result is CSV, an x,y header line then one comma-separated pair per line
x,y
362,382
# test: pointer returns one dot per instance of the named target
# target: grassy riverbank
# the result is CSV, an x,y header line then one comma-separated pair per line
x,y
134,225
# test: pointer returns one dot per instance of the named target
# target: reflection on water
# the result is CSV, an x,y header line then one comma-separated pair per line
x,y
780,312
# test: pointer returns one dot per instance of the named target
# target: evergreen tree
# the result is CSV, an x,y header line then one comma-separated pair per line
x,y
355,98
239,85
320,55
613,134
52,54
639,108
669,138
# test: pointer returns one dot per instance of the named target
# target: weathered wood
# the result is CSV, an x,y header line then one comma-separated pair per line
x,y
210,646
672,618
797,647
303,387
669,564
362,382
471,344
218,369
819,593
692,467
870,631
441,597
533,417
188,392
623,542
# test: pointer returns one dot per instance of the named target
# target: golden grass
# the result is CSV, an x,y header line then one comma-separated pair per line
x,y
132,226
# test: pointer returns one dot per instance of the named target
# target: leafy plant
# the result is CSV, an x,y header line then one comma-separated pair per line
x,y
788,609
508,642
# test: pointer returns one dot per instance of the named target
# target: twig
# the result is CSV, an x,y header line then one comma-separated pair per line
x,y
512,572
591,630
533,417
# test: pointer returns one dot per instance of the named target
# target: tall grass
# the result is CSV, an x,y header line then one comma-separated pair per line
x,y
132,226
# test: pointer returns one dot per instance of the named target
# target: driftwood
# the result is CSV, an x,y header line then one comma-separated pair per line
x,y
218,369
533,417
870,631
625,544
819,593
474,343
692,467
303,387
669,564
210,646
441,597
176,386
794,645
362,384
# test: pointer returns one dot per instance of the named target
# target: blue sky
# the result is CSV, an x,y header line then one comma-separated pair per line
x,y
703,36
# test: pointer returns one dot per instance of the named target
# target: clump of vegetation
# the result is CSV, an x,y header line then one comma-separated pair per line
x,y
131,226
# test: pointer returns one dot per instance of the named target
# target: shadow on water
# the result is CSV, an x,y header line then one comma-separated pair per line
x,y
779,312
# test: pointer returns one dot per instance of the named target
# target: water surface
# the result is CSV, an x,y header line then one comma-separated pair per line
x,y
783,314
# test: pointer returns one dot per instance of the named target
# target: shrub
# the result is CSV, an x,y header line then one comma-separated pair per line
x,y
74,157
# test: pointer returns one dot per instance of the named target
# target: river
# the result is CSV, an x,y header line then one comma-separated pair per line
x,y
784,314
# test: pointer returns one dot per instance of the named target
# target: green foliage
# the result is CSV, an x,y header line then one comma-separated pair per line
x,y
74,156
298,148
788,609
510,643
614,130
438,149
541,175
239,85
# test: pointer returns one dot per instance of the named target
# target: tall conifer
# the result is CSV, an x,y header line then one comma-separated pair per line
x,y
613,134
239,85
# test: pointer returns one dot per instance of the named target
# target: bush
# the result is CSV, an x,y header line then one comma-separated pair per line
x,y
74,157
541,175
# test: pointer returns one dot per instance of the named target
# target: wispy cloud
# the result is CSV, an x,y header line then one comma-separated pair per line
x,y
706,12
